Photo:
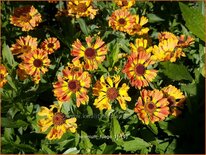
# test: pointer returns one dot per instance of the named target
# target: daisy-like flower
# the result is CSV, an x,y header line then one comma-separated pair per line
x,y
125,3
185,41
108,91
81,8
26,17
50,45
176,99
166,35
72,83
76,67
121,20
35,64
151,106
140,45
136,69
59,123
24,45
137,26
3,74
93,53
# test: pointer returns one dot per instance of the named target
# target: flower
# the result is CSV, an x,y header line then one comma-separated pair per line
x,y
81,8
3,74
24,45
166,35
176,99
121,20
35,64
136,69
72,83
26,17
107,91
93,53
137,26
76,67
125,3
57,120
50,45
151,106
140,45
21,73
185,41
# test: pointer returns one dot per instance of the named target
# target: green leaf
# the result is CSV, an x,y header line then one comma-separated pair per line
x,y
85,143
11,83
195,21
161,147
165,127
83,26
72,150
176,71
134,145
171,148
5,122
109,149
89,110
101,148
154,18
25,147
153,128
115,129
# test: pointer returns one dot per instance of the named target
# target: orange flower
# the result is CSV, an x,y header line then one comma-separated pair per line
x,y
50,45
35,64
21,73
125,3
26,17
152,106
137,69
140,45
93,53
3,74
121,20
72,83
24,45
185,41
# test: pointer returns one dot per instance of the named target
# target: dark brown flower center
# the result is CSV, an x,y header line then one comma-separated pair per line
x,y
74,85
137,27
150,107
59,118
75,69
140,69
1,77
37,63
122,21
112,93
25,49
124,3
25,18
141,49
90,53
82,7
22,11
50,45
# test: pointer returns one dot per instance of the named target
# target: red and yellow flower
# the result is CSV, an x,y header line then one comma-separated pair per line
x,y
81,8
35,64
72,83
55,122
50,45
140,45
93,53
176,99
136,69
24,45
3,74
151,106
26,17
108,90
121,20
125,3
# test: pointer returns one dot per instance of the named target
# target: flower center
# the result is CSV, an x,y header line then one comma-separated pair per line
x,y
141,49
90,53
137,27
140,69
112,93
122,21
25,18
25,49
50,45
74,85
75,69
124,3
59,118
1,77
82,7
150,107
37,63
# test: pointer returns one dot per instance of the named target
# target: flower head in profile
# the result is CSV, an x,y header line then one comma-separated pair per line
x,y
93,53
176,99
72,83
50,45
55,122
136,69
81,8
138,26
121,20
141,45
166,35
22,75
184,41
108,90
35,64
125,3
26,17
151,106
3,74
24,45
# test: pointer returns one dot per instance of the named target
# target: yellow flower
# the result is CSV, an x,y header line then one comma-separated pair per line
x,y
3,74
35,64
81,8
140,45
24,45
125,3
26,17
176,99
107,91
166,35
55,122
50,45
